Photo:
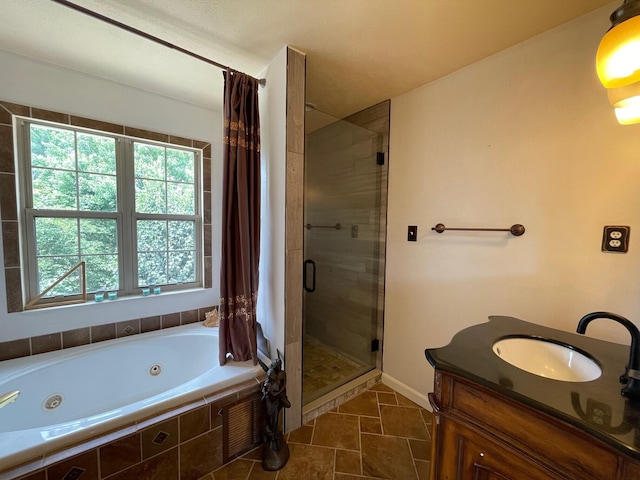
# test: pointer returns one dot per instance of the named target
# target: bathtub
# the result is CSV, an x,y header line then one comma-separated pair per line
x,y
70,396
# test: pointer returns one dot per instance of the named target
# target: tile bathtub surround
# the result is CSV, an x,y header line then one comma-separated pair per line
x,y
182,446
8,193
378,434
82,336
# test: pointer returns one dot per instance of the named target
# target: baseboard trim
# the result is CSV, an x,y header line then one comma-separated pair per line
x,y
407,391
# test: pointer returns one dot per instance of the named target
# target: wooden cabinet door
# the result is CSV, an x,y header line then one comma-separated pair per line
x,y
631,470
467,455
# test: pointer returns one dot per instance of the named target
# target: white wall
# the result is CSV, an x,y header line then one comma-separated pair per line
x,y
47,86
526,136
273,119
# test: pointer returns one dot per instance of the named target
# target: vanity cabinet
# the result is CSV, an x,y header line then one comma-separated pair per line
x,y
479,434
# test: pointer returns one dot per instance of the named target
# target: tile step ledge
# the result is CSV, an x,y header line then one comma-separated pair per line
x,y
340,395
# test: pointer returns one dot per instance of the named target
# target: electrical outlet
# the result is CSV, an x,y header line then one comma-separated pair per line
x,y
616,239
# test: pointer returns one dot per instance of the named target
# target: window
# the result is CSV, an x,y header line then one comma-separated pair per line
x,y
130,209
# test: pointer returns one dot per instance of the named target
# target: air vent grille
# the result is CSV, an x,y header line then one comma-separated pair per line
x,y
242,427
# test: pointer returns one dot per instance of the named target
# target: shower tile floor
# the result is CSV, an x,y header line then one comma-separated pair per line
x,y
377,435
325,368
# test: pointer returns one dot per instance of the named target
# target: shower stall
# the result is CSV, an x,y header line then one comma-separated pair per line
x,y
344,247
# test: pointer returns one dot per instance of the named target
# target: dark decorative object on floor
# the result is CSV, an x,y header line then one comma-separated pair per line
x,y
275,452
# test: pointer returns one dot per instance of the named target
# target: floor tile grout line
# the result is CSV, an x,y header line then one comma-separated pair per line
x,y
380,413
360,432
313,431
413,460
335,458
360,454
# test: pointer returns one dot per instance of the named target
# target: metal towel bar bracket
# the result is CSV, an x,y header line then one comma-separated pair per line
x,y
337,226
516,230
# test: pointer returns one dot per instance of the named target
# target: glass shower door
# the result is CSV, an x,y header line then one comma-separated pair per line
x,y
343,246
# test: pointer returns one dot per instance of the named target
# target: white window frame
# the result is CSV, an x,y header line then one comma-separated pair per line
x,y
125,215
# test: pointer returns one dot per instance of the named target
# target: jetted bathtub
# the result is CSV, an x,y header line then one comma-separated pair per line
x,y
72,395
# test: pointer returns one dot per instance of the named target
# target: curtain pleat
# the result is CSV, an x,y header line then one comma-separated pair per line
x,y
240,219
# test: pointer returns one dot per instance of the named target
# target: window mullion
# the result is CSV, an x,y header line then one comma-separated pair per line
x,y
126,198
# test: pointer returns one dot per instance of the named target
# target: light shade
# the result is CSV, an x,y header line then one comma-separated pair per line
x,y
618,57
626,103
618,62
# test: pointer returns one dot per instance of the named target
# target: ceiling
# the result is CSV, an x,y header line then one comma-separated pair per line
x,y
359,52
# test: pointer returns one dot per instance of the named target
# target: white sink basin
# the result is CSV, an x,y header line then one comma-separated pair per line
x,y
547,359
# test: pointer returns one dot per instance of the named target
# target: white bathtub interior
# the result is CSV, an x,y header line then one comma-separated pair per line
x,y
96,388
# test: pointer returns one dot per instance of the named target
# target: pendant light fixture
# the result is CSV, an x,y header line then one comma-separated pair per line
x,y
618,62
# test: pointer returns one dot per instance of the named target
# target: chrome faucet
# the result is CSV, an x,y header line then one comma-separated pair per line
x,y
8,398
631,377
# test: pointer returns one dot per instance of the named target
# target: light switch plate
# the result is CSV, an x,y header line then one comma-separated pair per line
x,y
615,238
412,233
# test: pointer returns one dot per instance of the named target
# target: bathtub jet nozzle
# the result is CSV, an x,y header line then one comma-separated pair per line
x,y
8,398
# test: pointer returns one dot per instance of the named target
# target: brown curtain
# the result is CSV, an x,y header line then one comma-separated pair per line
x,y
240,218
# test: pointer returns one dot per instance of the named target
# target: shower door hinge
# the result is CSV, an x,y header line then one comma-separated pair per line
x,y
380,158
375,345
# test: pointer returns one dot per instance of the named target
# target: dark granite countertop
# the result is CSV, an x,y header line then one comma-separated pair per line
x,y
596,407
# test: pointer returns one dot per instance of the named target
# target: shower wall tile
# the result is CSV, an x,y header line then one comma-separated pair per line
x,y
195,423
294,200
42,475
171,320
150,324
16,109
294,217
50,116
208,272
96,125
294,384
6,149
8,196
208,233
127,328
296,71
85,464
190,316
120,454
185,142
216,412
77,337
293,296
160,438
13,280
162,466
46,343
204,146
201,455
146,134
10,239
206,174
5,115
100,333
207,208
15,349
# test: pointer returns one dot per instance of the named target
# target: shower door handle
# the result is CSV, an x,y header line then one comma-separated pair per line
x,y
313,276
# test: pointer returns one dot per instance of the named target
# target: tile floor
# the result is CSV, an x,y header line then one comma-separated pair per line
x,y
377,435
326,368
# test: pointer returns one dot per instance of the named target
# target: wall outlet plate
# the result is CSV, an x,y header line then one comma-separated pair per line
x,y
615,238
